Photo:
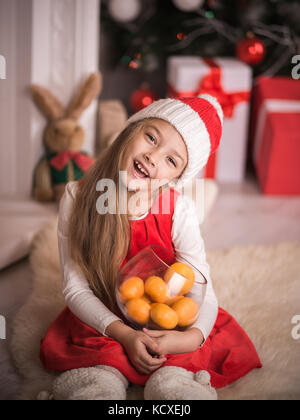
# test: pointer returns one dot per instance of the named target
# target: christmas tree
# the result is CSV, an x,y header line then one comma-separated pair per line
x,y
263,33
144,34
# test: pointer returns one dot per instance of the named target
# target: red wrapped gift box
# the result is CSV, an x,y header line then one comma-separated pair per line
x,y
275,134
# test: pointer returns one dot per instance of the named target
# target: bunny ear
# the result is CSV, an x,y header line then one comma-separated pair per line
x,y
88,91
47,103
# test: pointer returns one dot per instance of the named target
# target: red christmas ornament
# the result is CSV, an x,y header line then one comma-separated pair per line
x,y
251,50
142,97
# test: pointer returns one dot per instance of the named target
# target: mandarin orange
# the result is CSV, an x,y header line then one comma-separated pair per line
x,y
172,300
146,299
186,309
132,288
164,316
156,289
178,285
138,310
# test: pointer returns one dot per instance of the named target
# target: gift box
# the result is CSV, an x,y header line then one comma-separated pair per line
x,y
230,80
275,138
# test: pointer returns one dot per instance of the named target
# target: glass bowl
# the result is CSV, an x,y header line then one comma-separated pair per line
x,y
157,291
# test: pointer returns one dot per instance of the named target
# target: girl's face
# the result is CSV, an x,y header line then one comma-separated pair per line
x,y
156,152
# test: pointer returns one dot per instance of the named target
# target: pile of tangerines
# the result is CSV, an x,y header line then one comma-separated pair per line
x,y
152,302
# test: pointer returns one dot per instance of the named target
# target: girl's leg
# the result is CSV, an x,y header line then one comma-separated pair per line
x,y
176,383
93,383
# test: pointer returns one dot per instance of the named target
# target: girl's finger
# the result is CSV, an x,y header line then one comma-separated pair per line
x,y
151,361
142,370
151,344
146,369
155,362
153,333
162,358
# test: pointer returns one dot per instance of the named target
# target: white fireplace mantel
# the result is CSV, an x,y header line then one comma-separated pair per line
x,y
54,43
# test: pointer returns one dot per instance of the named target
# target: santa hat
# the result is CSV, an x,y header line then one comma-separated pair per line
x,y
199,120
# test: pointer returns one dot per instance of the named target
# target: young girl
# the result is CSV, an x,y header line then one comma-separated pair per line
x,y
99,353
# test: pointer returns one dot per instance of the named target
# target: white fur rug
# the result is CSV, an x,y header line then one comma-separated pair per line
x,y
258,285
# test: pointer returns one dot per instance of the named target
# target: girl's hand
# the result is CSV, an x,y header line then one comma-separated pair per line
x,y
167,341
174,342
138,346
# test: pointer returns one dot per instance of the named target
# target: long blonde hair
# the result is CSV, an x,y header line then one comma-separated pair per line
x,y
99,242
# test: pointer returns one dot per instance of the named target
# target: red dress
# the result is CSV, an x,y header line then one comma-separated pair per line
x,y
228,353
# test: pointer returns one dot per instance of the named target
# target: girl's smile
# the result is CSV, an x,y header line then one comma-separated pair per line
x,y
156,152
139,170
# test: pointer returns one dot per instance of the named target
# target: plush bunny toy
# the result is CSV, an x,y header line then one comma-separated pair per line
x,y
64,160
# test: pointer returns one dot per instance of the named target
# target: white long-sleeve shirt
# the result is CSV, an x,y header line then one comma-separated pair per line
x,y
187,241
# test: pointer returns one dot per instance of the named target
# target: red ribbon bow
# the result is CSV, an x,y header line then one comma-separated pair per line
x,y
212,85
61,159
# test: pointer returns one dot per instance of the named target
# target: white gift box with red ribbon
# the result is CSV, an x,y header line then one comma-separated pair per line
x,y
230,81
